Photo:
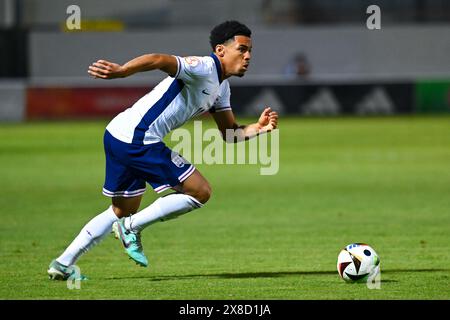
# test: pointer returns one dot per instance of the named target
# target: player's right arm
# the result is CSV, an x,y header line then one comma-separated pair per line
x,y
108,70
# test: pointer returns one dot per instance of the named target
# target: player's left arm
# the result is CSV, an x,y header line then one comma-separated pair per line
x,y
225,120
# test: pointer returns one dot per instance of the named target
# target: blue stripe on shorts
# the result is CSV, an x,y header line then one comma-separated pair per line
x,y
129,166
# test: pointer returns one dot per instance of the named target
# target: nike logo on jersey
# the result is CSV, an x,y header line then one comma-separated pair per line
x,y
205,92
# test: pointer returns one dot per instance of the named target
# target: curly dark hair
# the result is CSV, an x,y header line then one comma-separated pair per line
x,y
227,30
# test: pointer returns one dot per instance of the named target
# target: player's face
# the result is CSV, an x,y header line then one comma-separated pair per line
x,y
237,55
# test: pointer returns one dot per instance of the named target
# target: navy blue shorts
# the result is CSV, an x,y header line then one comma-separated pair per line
x,y
130,166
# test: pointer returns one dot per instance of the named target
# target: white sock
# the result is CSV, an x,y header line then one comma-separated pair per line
x,y
164,208
92,233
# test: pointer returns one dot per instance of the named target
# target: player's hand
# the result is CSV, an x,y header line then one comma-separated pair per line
x,y
106,70
268,120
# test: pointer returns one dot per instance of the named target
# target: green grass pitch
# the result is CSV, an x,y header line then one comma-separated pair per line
x,y
383,181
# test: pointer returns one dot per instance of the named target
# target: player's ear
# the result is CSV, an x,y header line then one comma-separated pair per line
x,y
220,50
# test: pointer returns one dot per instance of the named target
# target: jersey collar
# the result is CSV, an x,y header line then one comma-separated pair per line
x,y
218,66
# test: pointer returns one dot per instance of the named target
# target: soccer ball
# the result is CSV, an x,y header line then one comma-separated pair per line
x,y
358,262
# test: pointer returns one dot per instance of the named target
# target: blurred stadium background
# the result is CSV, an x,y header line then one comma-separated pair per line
x,y
402,68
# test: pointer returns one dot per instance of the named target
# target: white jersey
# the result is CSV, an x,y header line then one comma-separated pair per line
x,y
195,89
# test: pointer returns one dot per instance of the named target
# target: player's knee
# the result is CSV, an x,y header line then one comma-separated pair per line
x,y
203,193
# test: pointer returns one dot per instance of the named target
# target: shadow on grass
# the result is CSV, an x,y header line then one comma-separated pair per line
x,y
269,274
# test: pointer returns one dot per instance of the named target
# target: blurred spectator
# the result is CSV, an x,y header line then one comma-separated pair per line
x,y
298,66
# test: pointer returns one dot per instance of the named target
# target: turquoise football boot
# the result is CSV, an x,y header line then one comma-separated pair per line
x,y
131,242
58,271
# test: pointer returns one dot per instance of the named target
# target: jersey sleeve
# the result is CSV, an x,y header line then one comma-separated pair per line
x,y
222,102
191,68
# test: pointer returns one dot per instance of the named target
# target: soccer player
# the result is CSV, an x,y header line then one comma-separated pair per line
x,y
136,155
